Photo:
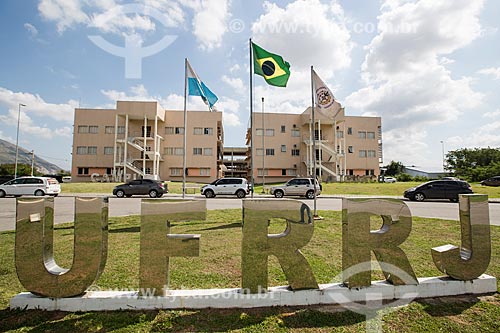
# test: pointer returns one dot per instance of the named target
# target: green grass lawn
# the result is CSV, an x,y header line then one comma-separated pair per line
x,y
219,266
383,189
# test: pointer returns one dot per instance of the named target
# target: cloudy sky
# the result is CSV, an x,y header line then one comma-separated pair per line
x,y
429,68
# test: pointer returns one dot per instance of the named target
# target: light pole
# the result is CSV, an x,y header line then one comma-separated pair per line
x,y
263,149
442,148
17,138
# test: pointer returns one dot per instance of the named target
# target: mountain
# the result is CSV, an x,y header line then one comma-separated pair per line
x,y
8,156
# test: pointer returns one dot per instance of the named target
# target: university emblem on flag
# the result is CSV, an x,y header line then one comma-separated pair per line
x,y
324,97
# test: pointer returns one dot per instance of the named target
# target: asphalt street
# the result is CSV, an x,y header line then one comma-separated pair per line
x,y
64,208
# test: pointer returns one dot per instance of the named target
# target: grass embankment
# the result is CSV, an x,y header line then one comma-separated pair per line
x,y
382,189
219,266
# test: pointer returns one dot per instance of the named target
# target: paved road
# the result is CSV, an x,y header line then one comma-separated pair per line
x,y
64,208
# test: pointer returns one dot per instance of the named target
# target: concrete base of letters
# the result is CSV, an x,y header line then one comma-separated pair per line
x,y
328,294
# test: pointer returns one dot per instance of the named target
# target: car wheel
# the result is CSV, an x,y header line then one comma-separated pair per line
x,y
153,194
39,193
419,196
240,194
278,194
2,194
209,194
310,194
120,194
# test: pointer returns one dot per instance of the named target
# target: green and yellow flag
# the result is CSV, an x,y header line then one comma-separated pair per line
x,y
272,67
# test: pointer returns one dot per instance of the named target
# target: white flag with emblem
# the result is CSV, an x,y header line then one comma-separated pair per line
x,y
324,99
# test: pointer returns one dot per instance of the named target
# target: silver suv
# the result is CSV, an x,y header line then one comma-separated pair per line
x,y
297,187
228,186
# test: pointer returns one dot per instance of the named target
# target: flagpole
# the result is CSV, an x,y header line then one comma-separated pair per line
x,y
185,131
314,140
251,120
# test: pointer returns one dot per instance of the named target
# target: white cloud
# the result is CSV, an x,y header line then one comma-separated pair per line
x,y
406,81
492,71
234,68
493,114
210,22
65,13
37,106
31,29
484,136
235,83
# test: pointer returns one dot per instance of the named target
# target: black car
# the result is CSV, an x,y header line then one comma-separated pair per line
x,y
493,181
153,188
439,189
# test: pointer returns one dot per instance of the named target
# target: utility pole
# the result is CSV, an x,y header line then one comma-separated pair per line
x,y
263,149
32,162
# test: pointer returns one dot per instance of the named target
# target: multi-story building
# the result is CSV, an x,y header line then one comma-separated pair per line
x,y
345,146
141,139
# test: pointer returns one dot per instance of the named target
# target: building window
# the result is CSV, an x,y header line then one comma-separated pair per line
x,y
372,153
179,130
259,172
295,152
269,132
81,150
295,133
83,129
109,130
370,172
350,150
292,172
283,172
175,171
362,153
94,129
269,151
283,129
197,151
204,171
362,135
349,130
198,131
108,150
83,171
147,171
92,150
370,135
283,148
340,134
121,130
259,152
173,151
169,130
259,132
207,151
208,131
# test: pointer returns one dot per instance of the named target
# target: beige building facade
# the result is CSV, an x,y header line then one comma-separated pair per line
x,y
141,139
346,147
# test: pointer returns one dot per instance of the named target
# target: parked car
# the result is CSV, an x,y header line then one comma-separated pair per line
x,y
493,181
297,187
439,189
38,186
153,188
226,186
390,180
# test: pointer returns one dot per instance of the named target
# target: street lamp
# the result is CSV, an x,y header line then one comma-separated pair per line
x,y
17,138
442,148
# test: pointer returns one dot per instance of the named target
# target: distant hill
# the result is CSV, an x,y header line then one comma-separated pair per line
x,y
8,156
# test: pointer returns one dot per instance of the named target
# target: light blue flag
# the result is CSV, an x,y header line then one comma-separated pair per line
x,y
197,88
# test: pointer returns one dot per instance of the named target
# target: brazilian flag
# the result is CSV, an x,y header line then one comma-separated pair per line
x,y
272,67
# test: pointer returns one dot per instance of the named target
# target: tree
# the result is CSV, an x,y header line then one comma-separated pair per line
x,y
474,164
394,168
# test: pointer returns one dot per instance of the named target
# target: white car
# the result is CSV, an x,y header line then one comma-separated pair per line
x,y
390,180
226,186
38,186
297,187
